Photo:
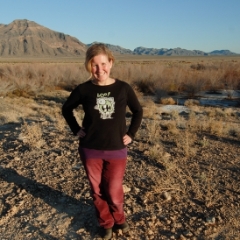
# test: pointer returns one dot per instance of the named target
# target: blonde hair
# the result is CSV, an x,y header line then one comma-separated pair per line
x,y
94,50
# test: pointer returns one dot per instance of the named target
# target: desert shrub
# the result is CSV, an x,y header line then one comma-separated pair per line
x,y
175,116
213,81
21,93
216,127
183,142
192,120
146,86
9,117
31,135
68,86
192,85
153,130
167,101
220,113
231,78
23,79
191,102
229,112
1,72
156,152
147,76
149,108
171,78
160,93
61,124
198,66
189,88
171,126
233,131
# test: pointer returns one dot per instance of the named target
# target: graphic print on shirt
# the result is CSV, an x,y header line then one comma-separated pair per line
x,y
105,105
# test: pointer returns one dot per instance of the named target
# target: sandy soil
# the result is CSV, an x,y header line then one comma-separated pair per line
x,y
178,184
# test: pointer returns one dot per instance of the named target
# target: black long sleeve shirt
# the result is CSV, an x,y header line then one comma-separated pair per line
x,y
105,109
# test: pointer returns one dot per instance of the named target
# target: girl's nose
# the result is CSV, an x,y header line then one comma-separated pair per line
x,y
98,67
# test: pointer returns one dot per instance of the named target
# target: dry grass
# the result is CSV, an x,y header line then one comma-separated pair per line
x,y
31,135
30,79
191,102
167,101
150,77
184,168
175,146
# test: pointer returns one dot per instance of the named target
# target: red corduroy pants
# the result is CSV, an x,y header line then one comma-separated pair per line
x,y
106,178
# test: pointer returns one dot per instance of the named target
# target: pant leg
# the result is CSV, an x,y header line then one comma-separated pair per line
x,y
112,179
93,169
105,177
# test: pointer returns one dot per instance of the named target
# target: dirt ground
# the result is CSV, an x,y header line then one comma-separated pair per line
x,y
181,182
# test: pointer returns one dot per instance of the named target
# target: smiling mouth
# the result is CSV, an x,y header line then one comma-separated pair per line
x,y
100,74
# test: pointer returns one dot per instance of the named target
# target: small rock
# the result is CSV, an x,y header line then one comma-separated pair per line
x,y
146,152
166,155
210,220
219,219
76,167
168,222
137,190
81,230
87,195
150,232
126,189
167,196
188,234
182,237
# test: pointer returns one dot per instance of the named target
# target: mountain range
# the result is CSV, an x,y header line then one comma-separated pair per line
x,y
24,38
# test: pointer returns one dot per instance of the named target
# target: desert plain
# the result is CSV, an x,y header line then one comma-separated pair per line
x,y
183,174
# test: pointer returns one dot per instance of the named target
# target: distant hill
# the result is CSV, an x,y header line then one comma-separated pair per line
x,y
115,49
168,52
163,51
179,52
222,52
23,38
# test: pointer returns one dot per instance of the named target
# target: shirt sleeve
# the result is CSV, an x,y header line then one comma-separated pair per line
x,y
73,101
137,112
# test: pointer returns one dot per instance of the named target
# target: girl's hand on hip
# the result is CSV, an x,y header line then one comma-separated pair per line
x,y
126,140
81,133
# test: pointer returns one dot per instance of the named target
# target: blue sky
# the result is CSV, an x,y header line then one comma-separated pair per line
x,y
205,25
